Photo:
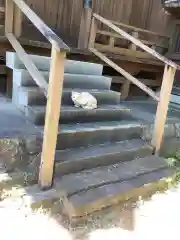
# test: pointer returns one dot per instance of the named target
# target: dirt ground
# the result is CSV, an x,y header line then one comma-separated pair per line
x,y
153,218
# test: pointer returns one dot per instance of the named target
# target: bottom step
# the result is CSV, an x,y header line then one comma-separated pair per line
x,y
106,186
85,203
92,190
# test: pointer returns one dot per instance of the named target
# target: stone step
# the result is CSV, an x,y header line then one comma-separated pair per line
x,y
87,134
174,106
144,186
176,91
78,159
104,175
36,114
94,189
43,63
34,96
21,77
175,99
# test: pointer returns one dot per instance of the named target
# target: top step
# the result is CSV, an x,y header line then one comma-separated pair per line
x,y
43,63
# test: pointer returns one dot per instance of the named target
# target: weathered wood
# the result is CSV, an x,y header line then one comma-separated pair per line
x,y
109,34
41,26
23,56
156,44
147,42
133,46
125,89
93,31
2,9
162,109
52,118
9,16
136,41
147,82
141,30
122,51
65,16
18,17
111,41
85,28
3,70
125,74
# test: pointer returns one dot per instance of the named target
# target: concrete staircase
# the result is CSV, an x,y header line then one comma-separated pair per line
x,y
175,97
100,153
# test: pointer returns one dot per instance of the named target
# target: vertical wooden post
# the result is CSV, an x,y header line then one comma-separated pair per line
x,y
133,46
162,109
125,89
93,31
85,27
9,16
18,16
52,118
111,41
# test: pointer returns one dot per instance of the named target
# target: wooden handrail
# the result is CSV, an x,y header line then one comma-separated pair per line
x,y
139,29
41,26
115,35
136,41
53,90
125,74
167,82
33,71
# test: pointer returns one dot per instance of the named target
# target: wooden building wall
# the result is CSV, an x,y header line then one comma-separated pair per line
x,y
64,16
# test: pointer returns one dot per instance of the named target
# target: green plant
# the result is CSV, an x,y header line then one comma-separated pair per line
x,y
174,162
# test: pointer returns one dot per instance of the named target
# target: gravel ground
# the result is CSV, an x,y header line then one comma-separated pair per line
x,y
147,219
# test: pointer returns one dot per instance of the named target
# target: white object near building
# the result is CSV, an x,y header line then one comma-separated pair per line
x,y
84,100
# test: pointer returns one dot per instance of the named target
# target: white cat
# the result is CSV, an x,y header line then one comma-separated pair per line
x,y
84,100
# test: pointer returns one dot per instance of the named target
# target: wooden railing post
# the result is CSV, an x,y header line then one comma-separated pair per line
x,y
133,46
18,16
112,41
125,89
52,118
9,15
93,31
85,25
162,109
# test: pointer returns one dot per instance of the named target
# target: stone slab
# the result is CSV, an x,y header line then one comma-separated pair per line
x,y
34,96
100,176
21,77
43,63
87,134
78,159
84,203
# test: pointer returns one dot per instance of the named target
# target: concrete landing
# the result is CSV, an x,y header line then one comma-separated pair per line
x,y
12,122
20,140
145,111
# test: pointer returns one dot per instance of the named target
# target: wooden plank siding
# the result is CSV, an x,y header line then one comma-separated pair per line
x,y
64,16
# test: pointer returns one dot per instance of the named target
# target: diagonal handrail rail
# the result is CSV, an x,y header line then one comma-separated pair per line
x,y
125,74
167,82
136,41
41,26
53,90
56,42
